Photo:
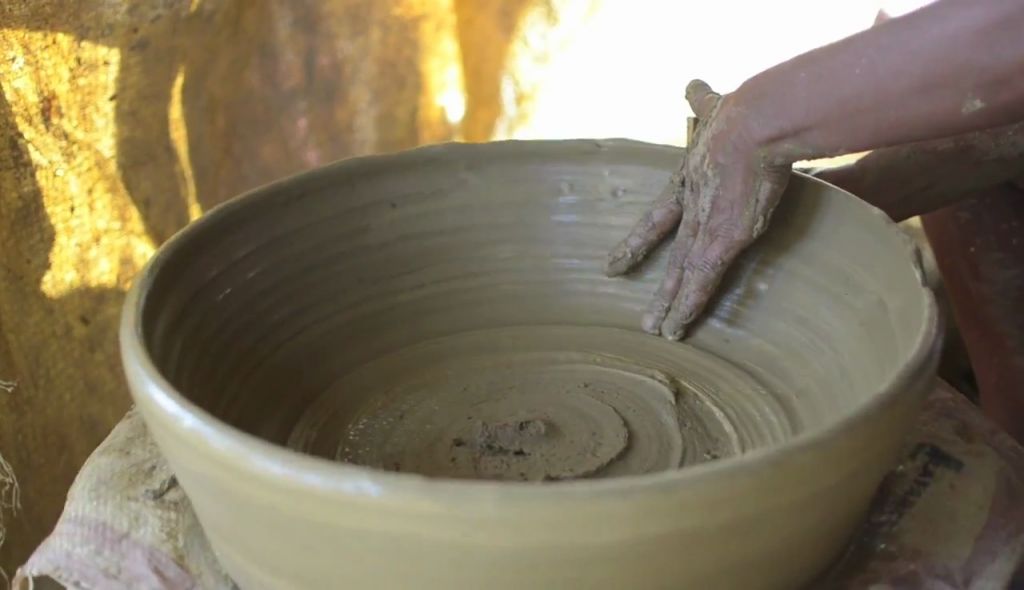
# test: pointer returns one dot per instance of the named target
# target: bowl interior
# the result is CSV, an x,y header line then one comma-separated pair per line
x,y
273,299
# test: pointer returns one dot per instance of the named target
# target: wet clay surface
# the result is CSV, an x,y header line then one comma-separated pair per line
x,y
541,403
474,400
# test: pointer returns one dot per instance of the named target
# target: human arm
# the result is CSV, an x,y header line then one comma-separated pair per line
x,y
914,179
953,67
950,68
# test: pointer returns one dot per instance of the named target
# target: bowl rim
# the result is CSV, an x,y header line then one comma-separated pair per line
x,y
291,468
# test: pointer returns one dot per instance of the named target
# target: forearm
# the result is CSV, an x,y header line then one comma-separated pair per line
x,y
954,67
919,178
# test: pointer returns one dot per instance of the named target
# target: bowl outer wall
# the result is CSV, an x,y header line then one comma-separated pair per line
x,y
769,519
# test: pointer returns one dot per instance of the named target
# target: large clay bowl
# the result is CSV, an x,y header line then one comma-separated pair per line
x,y
428,325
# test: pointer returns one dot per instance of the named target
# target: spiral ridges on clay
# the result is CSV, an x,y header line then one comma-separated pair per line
x,y
289,302
409,371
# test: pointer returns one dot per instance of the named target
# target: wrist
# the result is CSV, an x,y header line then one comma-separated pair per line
x,y
763,126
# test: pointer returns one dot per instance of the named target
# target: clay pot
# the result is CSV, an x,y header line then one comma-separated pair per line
x,y
443,312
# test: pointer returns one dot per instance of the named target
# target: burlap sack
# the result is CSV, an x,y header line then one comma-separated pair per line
x,y
10,500
126,525
949,517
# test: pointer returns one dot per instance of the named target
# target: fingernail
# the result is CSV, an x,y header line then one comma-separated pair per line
x,y
614,267
653,318
675,333
674,326
618,262
614,259
651,324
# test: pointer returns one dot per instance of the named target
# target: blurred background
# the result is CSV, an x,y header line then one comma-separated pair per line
x,y
121,120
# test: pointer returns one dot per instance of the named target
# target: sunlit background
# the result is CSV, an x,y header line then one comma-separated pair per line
x,y
619,68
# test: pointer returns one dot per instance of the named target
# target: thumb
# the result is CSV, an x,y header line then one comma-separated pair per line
x,y
702,98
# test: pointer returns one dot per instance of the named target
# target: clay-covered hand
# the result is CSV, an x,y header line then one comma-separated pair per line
x,y
720,200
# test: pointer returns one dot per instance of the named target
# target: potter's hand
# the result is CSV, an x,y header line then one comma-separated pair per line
x,y
720,200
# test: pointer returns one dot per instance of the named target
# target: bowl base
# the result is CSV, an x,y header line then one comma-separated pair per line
x,y
541,403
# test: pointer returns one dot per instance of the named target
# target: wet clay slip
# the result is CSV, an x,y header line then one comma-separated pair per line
x,y
409,371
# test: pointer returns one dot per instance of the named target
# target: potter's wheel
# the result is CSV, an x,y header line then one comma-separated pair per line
x,y
541,403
